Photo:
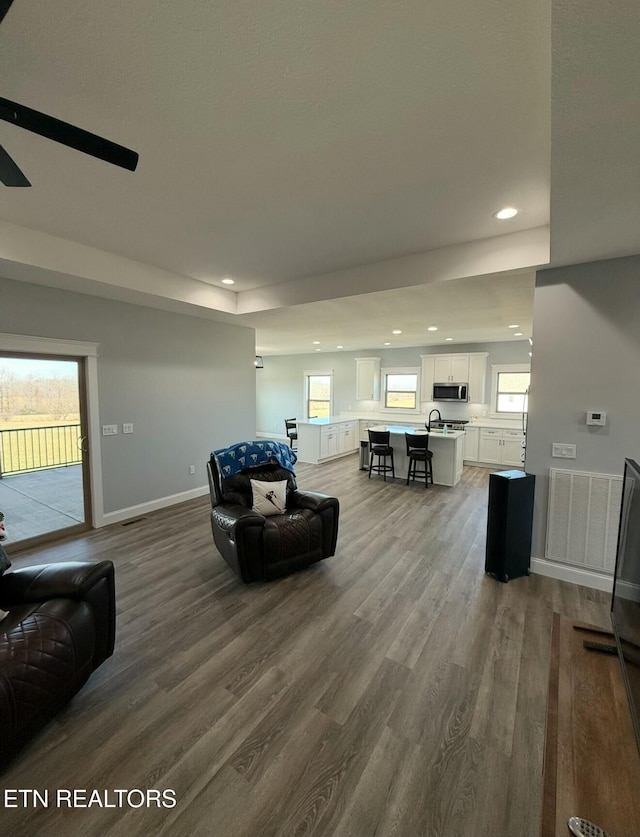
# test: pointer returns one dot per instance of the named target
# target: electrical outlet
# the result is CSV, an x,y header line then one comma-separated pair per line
x,y
127,428
562,451
109,429
192,469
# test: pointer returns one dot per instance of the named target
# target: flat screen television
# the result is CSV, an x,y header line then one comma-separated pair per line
x,y
625,601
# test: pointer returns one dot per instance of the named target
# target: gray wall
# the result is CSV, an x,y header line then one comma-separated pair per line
x,y
280,385
186,384
586,357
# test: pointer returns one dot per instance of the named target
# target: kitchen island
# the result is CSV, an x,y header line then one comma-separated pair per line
x,y
447,448
323,439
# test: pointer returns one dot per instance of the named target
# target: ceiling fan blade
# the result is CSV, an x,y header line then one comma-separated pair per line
x,y
62,132
10,174
5,5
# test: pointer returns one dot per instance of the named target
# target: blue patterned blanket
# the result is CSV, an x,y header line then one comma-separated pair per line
x,y
233,459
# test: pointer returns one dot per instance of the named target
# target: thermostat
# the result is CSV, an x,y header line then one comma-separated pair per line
x,y
596,417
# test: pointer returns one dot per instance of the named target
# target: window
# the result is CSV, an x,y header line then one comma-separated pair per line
x,y
318,394
400,389
510,388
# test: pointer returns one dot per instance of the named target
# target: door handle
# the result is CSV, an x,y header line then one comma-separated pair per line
x,y
81,445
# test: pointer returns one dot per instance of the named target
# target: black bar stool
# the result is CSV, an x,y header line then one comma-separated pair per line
x,y
418,451
291,428
380,447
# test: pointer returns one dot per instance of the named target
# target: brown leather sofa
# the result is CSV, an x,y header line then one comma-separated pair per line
x,y
259,548
59,628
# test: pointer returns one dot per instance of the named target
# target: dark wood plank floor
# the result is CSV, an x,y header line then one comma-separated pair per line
x,y
391,690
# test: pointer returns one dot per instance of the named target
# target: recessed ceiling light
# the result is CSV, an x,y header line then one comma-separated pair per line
x,y
518,334
316,342
432,328
448,339
387,344
318,350
228,282
514,326
396,331
339,347
505,213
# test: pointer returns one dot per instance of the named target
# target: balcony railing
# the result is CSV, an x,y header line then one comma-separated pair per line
x,y
36,448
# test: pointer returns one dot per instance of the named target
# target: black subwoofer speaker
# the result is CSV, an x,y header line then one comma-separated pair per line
x,y
509,524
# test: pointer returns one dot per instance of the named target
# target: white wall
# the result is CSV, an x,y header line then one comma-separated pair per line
x,y
280,385
187,384
586,356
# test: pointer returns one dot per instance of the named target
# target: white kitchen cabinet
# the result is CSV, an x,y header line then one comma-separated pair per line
x,y
477,377
427,378
460,368
442,368
500,446
451,369
512,447
457,369
325,439
367,378
471,442
328,442
347,440
489,449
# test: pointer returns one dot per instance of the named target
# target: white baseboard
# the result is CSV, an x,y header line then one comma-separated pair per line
x,y
153,505
576,575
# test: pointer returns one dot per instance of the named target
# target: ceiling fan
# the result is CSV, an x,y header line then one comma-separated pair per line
x,y
56,130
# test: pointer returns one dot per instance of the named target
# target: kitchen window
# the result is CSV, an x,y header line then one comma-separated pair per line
x,y
318,394
400,389
510,388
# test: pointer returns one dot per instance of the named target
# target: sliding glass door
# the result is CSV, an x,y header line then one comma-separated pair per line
x,y
44,485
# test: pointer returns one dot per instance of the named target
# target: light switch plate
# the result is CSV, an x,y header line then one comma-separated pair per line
x,y
109,429
561,451
127,428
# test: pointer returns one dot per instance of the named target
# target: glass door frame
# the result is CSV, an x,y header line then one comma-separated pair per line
x,y
86,355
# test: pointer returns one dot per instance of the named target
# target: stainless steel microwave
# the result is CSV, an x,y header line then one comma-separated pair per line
x,y
451,392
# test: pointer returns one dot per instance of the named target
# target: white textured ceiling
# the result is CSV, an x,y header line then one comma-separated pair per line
x,y
281,141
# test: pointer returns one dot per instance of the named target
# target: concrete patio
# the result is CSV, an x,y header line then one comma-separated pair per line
x,y
41,501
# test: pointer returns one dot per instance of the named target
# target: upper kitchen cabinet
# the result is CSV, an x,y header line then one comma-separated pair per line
x,y
478,377
427,378
451,369
367,378
468,369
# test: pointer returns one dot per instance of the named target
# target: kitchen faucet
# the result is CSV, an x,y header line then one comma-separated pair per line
x,y
429,419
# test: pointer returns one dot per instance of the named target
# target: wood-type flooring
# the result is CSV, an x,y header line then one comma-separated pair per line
x,y
394,689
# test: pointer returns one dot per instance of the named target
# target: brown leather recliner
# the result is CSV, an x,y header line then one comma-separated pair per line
x,y
259,548
59,628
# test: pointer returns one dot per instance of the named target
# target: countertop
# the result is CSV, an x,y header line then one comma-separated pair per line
x,y
326,420
400,430
497,423
419,418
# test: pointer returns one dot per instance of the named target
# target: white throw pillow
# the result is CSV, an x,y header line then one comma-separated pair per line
x,y
269,497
